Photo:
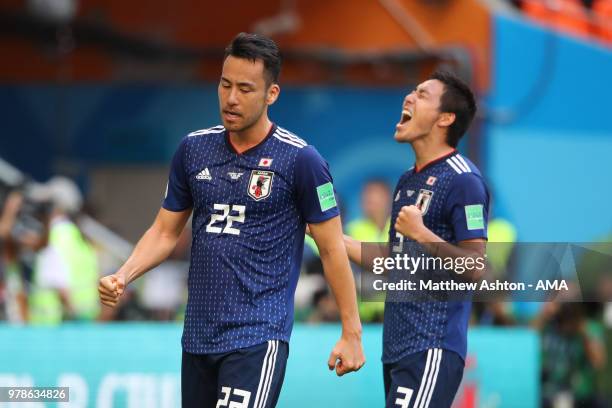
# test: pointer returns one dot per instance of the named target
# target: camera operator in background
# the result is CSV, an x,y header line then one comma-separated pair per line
x,y
573,354
13,298
65,276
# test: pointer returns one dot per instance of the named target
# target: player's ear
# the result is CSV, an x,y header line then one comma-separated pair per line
x,y
446,119
272,94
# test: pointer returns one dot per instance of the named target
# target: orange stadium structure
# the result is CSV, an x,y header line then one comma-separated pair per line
x,y
114,40
571,16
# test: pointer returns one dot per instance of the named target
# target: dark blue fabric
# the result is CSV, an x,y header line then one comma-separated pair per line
x,y
429,378
443,189
246,378
249,217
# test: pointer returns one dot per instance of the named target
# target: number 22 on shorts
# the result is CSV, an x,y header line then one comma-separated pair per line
x,y
227,392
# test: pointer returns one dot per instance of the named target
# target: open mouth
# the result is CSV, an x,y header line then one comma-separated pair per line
x,y
406,116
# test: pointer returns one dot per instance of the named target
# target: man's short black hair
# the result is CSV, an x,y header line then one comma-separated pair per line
x,y
458,99
257,47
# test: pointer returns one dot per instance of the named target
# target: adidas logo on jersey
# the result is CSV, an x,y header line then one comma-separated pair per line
x,y
204,175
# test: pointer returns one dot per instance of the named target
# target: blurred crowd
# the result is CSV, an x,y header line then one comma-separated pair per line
x,y
583,18
53,254
49,271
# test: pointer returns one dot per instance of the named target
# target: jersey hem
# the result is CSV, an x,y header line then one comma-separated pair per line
x,y
415,351
227,349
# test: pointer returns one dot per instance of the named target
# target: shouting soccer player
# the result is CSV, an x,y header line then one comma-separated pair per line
x,y
252,187
440,204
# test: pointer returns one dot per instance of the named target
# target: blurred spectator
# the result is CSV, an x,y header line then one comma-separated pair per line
x,y
28,258
502,236
572,354
373,226
325,309
66,271
12,285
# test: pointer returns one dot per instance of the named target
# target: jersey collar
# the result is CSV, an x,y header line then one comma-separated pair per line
x,y
434,161
231,147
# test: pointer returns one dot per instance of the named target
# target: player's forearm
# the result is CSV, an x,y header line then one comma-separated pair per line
x,y
436,246
365,259
152,249
353,249
439,248
340,278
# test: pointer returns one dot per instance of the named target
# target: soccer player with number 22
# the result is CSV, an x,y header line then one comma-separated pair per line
x,y
252,187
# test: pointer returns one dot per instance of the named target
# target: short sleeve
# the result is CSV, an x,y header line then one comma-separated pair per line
x,y
178,195
316,199
467,206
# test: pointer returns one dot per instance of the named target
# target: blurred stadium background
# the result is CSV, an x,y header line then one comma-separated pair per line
x,y
100,92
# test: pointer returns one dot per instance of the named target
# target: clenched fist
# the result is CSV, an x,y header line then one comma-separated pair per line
x,y
111,288
409,222
347,356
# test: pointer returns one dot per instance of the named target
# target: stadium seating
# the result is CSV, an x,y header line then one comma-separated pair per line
x,y
572,17
564,15
602,13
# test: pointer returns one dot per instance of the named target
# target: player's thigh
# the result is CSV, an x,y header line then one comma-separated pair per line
x,y
447,380
426,379
253,377
387,378
402,380
198,381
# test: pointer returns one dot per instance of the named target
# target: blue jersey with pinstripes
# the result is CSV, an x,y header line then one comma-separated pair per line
x,y
249,215
445,190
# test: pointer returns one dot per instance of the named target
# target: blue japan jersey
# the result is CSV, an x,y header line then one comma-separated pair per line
x,y
454,201
249,216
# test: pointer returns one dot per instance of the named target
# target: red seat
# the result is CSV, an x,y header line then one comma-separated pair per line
x,y
564,15
602,12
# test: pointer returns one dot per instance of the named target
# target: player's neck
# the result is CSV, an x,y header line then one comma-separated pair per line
x,y
426,152
252,136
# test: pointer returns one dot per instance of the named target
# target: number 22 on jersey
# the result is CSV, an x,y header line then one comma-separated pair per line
x,y
226,216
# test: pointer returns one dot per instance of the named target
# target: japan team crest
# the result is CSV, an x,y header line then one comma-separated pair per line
x,y
423,200
260,184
